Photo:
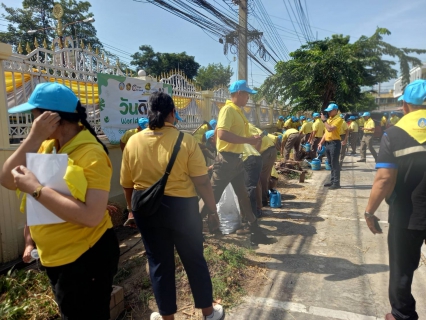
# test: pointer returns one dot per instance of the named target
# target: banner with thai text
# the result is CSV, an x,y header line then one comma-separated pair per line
x,y
123,100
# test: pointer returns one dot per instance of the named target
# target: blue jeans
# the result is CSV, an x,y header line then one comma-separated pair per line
x,y
332,151
176,224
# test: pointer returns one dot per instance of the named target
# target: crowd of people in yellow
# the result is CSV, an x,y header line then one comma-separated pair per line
x,y
179,176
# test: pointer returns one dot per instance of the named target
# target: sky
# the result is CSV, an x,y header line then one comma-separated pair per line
x,y
127,24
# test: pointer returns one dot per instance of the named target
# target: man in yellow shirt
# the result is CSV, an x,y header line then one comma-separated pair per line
x,y
291,123
290,140
344,136
367,139
360,121
353,129
393,119
333,144
280,124
317,134
305,131
232,133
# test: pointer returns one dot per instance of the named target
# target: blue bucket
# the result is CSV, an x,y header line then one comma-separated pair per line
x,y
307,147
316,164
274,199
327,165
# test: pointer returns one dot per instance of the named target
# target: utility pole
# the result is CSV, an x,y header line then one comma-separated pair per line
x,y
242,41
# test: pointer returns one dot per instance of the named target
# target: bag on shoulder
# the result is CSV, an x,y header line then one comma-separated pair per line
x,y
146,202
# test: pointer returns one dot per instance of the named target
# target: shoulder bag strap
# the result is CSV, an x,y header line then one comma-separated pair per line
x,y
174,154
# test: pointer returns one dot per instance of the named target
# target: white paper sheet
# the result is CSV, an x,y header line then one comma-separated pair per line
x,y
50,171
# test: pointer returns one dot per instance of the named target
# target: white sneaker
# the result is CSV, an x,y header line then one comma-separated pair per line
x,y
218,313
156,316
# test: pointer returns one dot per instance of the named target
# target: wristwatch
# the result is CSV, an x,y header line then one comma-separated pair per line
x,y
368,215
37,192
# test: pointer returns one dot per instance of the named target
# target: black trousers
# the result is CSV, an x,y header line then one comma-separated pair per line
x,y
252,167
177,224
404,258
83,288
332,152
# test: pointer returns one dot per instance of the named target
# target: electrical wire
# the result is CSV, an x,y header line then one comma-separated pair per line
x,y
216,21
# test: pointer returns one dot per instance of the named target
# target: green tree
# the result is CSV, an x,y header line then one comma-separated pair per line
x,y
37,14
335,69
156,63
213,76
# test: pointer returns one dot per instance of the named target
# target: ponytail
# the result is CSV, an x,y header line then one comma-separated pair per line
x,y
160,106
81,111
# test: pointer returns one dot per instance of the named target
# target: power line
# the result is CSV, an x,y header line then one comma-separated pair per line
x,y
309,25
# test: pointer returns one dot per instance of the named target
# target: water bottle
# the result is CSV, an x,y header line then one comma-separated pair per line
x,y
34,254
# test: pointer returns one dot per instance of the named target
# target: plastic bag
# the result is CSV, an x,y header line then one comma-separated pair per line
x,y
228,211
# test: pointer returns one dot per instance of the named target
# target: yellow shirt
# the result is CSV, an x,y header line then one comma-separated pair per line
x,y
354,126
394,120
249,150
126,136
318,127
63,243
369,126
360,122
200,132
266,141
288,133
383,121
337,122
343,128
290,124
147,155
306,127
231,119
280,124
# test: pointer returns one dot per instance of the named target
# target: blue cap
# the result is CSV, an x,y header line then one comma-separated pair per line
x,y
392,113
281,117
213,123
385,113
331,106
177,116
342,115
294,119
280,137
302,118
209,134
366,114
351,118
143,123
51,96
415,92
316,114
241,85
401,98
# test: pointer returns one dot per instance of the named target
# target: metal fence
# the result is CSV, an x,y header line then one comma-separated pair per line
x,y
187,100
74,67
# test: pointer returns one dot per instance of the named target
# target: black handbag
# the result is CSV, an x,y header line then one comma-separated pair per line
x,y
146,202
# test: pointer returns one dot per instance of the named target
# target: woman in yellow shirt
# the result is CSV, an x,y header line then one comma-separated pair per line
x,y
177,223
81,254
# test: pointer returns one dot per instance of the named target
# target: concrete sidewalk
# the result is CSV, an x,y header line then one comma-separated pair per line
x,y
326,263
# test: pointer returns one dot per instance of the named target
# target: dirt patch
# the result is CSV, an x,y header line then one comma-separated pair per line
x,y
235,271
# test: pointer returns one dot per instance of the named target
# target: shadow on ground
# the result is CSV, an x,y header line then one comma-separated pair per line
x,y
337,269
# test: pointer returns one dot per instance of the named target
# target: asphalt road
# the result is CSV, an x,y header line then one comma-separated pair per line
x,y
326,263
